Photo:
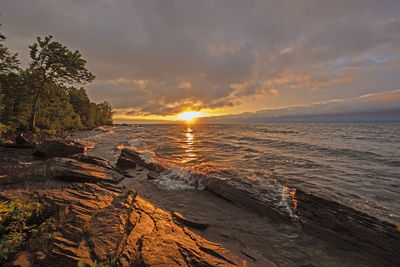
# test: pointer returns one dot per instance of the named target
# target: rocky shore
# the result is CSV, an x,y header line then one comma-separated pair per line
x,y
61,205
90,215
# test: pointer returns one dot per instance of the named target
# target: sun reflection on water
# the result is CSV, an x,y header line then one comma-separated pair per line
x,y
188,146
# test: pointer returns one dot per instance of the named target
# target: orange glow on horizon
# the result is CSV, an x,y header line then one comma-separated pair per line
x,y
120,117
189,116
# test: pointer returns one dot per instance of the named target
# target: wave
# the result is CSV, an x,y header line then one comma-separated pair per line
x,y
266,197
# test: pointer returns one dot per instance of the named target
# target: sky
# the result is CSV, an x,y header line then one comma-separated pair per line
x,y
154,59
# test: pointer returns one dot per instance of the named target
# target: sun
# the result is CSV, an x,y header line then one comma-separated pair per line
x,y
189,116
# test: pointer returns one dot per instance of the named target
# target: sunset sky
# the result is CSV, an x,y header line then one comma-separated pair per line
x,y
155,59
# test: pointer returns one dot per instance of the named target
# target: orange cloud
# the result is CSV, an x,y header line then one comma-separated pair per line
x,y
385,97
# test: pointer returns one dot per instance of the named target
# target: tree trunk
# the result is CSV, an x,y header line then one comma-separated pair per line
x,y
34,105
32,121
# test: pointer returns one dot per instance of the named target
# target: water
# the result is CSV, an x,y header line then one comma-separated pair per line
x,y
357,165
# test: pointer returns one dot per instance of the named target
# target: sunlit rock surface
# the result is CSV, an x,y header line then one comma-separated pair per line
x,y
102,220
106,223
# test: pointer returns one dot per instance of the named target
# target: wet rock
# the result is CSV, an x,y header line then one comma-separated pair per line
x,y
130,155
125,163
60,148
338,223
247,196
188,222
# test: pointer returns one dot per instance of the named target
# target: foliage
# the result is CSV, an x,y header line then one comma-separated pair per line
x,y
22,225
53,66
91,114
16,224
8,61
42,97
8,64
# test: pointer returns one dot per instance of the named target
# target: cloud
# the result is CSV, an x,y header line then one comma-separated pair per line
x,y
159,57
185,85
222,49
385,97
385,106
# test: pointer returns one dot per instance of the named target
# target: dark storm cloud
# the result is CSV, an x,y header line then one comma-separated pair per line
x,y
159,57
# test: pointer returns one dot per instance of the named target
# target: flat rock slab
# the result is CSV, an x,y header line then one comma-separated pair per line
x,y
66,169
136,233
72,170
94,160
130,157
60,148
113,226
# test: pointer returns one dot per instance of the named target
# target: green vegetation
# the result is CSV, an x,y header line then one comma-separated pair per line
x,y
18,224
43,96
23,226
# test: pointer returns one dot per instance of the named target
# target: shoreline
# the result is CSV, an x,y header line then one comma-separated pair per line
x,y
97,219
199,206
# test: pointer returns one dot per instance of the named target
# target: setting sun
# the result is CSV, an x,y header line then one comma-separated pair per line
x,y
189,116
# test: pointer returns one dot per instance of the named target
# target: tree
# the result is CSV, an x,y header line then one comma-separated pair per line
x,y
8,61
81,104
104,113
53,64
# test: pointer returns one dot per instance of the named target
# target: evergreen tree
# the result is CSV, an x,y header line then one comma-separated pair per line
x,y
54,63
39,96
8,61
81,104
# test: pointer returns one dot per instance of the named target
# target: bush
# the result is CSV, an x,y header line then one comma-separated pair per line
x,y
16,225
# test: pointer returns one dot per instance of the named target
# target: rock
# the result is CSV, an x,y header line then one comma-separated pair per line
x,y
23,259
94,160
125,164
72,170
110,225
13,145
21,140
152,175
191,223
130,156
333,221
59,148
246,195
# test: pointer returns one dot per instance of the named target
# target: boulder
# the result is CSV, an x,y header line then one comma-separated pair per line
x,y
130,157
125,164
59,148
72,170
246,195
21,140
